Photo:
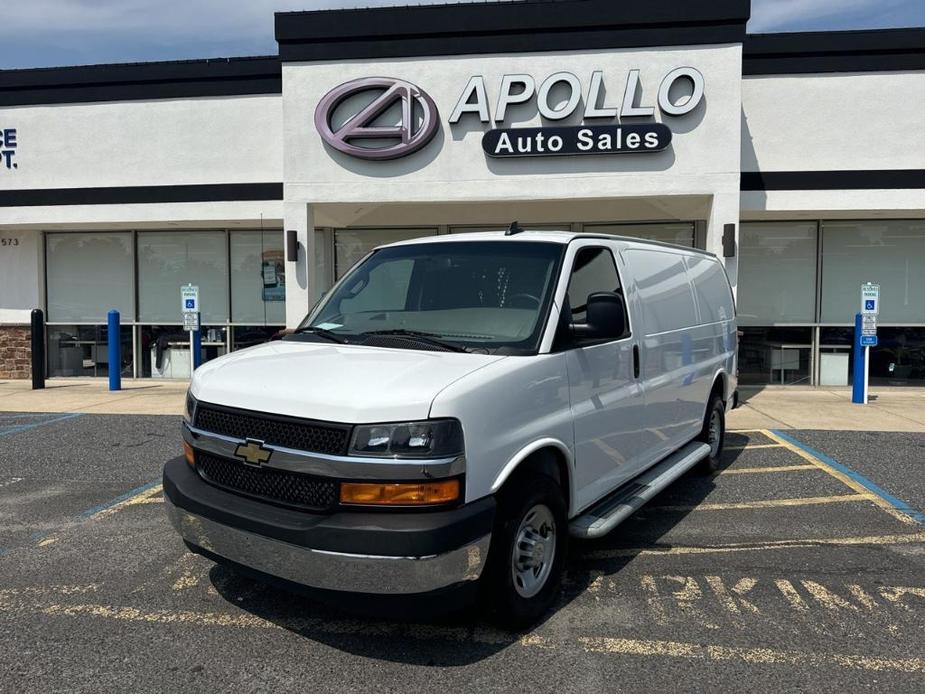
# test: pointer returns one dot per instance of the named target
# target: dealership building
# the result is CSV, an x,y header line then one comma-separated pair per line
x,y
799,159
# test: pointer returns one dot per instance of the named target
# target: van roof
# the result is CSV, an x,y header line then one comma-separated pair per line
x,y
547,235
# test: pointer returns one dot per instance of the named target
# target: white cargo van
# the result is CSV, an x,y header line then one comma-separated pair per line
x,y
454,409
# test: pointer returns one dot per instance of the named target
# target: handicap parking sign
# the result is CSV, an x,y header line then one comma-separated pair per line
x,y
870,299
189,299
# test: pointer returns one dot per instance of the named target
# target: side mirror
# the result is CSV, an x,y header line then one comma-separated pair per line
x,y
606,317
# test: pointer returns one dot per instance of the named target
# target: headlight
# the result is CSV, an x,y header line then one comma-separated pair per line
x,y
189,408
437,438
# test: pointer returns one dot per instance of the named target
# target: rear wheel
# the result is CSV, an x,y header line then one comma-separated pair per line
x,y
529,546
713,434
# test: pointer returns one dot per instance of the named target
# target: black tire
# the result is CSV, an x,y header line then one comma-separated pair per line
x,y
522,495
710,464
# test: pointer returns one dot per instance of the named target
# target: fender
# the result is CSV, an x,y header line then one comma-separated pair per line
x,y
526,452
719,373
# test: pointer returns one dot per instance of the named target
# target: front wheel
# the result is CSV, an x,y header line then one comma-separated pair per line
x,y
713,434
529,546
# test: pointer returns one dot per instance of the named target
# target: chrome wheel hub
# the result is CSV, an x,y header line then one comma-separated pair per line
x,y
534,551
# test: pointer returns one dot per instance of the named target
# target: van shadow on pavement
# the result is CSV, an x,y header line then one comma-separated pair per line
x,y
431,633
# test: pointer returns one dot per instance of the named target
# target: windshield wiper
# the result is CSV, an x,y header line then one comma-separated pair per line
x,y
321,332
429,338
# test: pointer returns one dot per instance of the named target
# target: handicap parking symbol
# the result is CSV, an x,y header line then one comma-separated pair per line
x,y
190,303
869,304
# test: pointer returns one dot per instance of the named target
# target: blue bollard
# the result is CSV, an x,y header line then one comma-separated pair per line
x,y
115,351
857,389
196,338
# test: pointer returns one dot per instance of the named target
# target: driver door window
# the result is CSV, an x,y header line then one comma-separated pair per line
x,y
594,271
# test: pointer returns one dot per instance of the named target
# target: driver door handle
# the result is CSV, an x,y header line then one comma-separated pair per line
x,y
635,361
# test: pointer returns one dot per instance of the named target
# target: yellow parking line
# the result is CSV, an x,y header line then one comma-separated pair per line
x,y
752,656
768,503
673,550
140,498
422,632
770,468
601,645
752,446
843,478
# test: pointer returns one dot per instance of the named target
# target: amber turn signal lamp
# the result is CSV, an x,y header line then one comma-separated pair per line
x,y
399,494
188,453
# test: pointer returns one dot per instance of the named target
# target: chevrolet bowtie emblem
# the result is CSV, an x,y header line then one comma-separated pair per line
x,y
253,453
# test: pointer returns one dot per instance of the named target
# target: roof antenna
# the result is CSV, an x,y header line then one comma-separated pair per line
x,y
515,228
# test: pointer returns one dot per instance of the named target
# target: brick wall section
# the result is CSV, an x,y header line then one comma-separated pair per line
x,y
15,351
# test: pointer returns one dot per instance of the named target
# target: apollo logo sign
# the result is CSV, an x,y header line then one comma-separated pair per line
x,y
383,141
521,89
557,97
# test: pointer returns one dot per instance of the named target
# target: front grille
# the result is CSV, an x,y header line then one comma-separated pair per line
x,y
278,486
287,432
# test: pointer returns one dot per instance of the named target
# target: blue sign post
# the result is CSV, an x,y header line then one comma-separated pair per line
x,y
196,346
113,334
859,387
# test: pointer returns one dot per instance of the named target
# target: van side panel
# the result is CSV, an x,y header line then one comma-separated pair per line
x,y
676,349
717,312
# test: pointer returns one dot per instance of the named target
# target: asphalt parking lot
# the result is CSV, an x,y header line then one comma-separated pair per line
x,y
800,566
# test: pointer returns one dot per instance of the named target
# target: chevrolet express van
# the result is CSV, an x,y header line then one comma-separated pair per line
x,y
454,409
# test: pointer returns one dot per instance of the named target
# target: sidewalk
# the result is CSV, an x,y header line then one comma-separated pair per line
x,y
92,395
775,407
796,407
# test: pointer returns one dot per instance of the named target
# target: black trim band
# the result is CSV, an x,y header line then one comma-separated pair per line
x,y
209,192
508,27
874,50
833,180
133,81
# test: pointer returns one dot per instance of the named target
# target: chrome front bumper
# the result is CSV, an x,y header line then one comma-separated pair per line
x,y
358,573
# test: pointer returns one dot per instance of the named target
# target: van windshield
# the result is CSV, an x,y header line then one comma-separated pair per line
x,y
470,295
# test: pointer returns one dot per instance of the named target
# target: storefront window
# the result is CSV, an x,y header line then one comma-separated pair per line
x,y
258,277
83,350
350,245
89,274
777,273
168,260
888,253
899,357
250,335
781,356
165,349
681,233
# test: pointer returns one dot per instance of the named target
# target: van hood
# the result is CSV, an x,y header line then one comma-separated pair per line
x,y
333,382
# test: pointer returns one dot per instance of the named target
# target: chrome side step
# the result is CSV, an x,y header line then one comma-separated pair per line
x,y
608,513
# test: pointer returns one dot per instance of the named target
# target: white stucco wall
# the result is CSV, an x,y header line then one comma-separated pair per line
x,y
135,143
833,122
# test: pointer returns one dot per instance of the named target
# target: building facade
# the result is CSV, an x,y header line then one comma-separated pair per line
x,y
797,158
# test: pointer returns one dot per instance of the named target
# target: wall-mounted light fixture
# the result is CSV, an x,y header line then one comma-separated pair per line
x,y
729,240
292,245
